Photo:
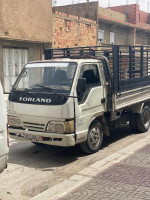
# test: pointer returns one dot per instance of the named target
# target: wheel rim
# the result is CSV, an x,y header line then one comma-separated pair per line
x,y
94,138
147,119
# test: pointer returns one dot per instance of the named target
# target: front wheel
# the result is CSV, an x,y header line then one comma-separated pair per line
x,y
94,138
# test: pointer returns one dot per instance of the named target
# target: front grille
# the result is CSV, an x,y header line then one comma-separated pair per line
x,y
34,126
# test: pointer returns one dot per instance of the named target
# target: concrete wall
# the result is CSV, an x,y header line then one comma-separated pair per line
x,y
142,38
121,33
112,14
134,14
26,20
129,10
72,31
131,37
85,10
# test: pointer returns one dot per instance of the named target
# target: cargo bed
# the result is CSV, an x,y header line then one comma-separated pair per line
x,y
127,73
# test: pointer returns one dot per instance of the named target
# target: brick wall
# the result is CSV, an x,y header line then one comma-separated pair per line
x,y
130,9
85,10
72,31
134,14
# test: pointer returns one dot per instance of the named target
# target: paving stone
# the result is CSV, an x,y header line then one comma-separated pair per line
x,y
127,177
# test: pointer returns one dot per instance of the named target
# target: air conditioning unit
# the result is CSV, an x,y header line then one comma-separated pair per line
x,y
101,42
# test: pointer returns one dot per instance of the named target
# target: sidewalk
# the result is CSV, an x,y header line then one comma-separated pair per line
x,y
124,175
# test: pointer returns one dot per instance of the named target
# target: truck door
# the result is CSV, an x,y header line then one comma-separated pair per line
x,y
91,103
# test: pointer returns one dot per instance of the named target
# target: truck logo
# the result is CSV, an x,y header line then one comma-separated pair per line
x,y
35,100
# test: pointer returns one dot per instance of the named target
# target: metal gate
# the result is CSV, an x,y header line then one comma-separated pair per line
x,y
14,60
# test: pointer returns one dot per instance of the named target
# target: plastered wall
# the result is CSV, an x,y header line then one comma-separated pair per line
x,y
26,20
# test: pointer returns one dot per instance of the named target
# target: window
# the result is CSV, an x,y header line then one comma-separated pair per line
x,y
88,26
100,35
90,73
68,25
112,37
47,77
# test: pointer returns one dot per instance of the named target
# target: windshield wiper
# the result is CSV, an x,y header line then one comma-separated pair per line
x,y
51,89
54,93
45,87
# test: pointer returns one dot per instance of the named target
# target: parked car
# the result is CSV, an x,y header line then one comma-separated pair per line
x,y
4,141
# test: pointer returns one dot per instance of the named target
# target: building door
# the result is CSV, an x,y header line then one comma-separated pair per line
x,y
14,60
112,38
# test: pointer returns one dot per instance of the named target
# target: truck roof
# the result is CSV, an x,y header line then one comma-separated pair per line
x,y
78,60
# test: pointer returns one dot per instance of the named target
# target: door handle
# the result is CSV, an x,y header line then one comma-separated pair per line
x,y
103,101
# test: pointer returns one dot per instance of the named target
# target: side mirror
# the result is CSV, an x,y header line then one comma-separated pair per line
x,y
81,86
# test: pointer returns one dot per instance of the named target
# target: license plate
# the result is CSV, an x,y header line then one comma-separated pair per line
x,y
29,137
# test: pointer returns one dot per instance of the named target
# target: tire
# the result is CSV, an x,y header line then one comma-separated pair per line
x,y
94,138
143,120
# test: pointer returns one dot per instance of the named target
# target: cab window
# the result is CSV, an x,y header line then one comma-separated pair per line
x,y
89,73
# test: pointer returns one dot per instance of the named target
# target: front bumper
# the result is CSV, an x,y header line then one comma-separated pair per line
x,y
55,139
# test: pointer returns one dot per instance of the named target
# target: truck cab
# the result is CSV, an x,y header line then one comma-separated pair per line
x,y
4,143
55,102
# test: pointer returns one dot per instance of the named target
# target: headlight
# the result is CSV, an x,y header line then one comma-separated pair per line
x,y
13,121
56,127
61,127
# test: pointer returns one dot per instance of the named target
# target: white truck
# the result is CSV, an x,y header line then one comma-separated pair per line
x,y
75,95
4,142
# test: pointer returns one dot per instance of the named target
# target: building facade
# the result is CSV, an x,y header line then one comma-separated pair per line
x,y
115,25
25,28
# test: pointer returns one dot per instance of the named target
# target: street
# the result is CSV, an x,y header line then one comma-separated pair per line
x,y
69,70
34,169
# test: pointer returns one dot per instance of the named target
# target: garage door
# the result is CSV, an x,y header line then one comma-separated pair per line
x,y
14,60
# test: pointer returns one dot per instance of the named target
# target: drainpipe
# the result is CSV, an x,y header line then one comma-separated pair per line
x,y
97,23
134,36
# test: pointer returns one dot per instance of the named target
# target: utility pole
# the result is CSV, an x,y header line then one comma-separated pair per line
x,y
126,9
54,2
148,4
109,4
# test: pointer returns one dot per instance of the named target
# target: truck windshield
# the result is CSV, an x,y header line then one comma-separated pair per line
x,y
52,77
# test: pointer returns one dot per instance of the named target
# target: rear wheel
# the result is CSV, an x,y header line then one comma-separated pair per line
x,y
143,120
94,138
140,122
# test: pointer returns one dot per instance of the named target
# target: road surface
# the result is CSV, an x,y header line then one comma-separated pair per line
x,y
33,169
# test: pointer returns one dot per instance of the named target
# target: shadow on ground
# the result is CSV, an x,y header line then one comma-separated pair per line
x,y
47,157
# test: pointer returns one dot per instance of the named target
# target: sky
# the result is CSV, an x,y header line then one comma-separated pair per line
x,y
105,3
